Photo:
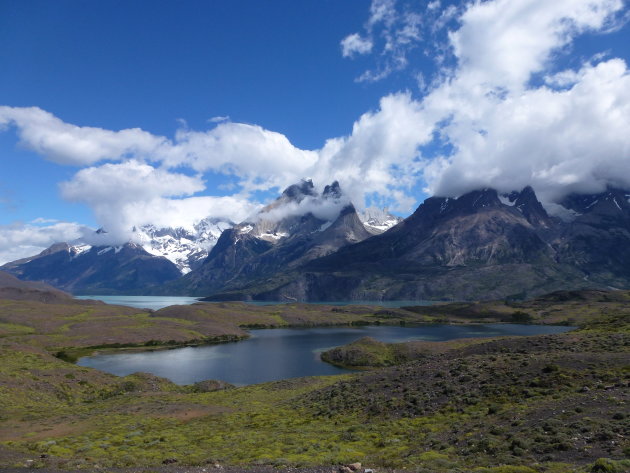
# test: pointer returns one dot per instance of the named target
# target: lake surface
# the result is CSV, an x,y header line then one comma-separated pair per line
x,y
275,354
144,302
158,302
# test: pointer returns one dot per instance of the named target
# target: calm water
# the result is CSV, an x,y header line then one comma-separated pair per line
x,y
144,302
158,302
284,353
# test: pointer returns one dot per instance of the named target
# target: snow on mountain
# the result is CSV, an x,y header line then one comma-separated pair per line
x,y
185,247
378,220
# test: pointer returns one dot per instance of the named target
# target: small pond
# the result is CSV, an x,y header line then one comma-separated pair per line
x,y
276,354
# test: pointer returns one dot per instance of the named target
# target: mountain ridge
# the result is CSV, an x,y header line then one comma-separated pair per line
x,y
479,245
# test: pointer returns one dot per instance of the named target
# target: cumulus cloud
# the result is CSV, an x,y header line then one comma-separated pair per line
x,y
564,136
503,42
116,191
65,143
377,157
260,158
20,240
558,141
380,155
124,195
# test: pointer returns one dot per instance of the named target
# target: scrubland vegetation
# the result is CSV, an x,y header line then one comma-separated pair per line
x,y
550,403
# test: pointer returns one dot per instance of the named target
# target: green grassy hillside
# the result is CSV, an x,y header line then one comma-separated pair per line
x,y
554,403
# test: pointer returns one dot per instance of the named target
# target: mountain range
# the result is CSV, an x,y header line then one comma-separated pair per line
x,y
312,246
156,256
481,245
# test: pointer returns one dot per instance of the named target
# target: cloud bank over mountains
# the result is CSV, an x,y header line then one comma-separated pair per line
x,y
502,109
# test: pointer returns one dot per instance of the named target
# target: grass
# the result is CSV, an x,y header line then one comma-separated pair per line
x,y
553,403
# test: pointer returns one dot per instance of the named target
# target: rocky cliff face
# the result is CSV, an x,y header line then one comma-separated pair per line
x,y
297,227
314,246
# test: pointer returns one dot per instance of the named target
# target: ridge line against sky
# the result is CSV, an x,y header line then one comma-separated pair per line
x,y
499,93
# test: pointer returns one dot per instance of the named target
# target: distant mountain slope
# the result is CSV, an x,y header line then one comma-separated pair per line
x,y
480,245
15,289
597,241
95,270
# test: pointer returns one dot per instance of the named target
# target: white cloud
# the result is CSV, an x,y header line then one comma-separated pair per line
x,y
376,158
261,158
163,212
567,136
324,209
354,44
114,190
503,42
65,143
20,240
131,194
380,154
558,141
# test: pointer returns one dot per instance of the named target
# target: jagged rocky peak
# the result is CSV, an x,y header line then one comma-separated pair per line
x,y
478,199
527,203
332,191
446,207
300,209
523,203
300,190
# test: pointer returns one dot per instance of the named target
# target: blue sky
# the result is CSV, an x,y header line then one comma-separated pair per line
x,y
108,107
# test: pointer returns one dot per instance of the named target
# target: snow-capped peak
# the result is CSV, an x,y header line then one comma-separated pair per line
x,y
377,220
186,248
